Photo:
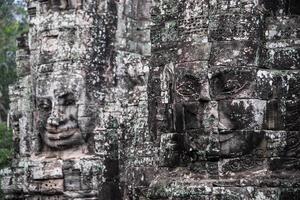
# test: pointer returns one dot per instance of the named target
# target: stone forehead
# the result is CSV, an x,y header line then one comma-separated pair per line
x,y
68,20
57,83
71,67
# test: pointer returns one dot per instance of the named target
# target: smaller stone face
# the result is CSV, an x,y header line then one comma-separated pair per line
x,y
59,102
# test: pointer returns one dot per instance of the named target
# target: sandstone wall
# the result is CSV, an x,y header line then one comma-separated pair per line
x,y
157,99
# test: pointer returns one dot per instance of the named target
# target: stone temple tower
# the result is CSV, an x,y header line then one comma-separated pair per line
x,y
157,100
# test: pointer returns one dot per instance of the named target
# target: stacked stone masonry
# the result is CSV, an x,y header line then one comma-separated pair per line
x,y
157,99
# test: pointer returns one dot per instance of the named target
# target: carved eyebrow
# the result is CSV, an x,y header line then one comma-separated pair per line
x,y
68,95
43,101
39,99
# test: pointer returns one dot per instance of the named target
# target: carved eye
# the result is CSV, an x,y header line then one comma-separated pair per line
x,y
69,102
68,99
189,86
231,85
45,104
228,84
186,89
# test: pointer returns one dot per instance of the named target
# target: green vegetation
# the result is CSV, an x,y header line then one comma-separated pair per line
x,y
6,144
12,25
6,149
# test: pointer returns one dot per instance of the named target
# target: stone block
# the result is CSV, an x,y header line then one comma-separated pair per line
x,y
197,145
48,170
53,186
66,44
130,9
243,114
7,184
143,9
230,27
142,175
191,116
292,119
194,52
181,189
194,27
170,9
281,28
43,197
233,7
276,143
72,180
233,193
292,148
289,193
266,193
195,8
210,117
188,116
213,148
280,165
293,82
234,54
191,82
240,167
198,167
275,116
171,148
232,83
271,84
281,89
283,58
240,143
23,67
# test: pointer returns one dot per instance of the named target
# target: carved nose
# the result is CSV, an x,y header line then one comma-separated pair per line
x,y
53,121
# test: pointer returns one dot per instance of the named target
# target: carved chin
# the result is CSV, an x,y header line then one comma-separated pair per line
x,y
63,140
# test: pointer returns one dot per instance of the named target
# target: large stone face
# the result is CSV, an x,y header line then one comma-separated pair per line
x,y
165,99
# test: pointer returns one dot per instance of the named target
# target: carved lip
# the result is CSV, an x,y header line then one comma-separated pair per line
x,y
61,134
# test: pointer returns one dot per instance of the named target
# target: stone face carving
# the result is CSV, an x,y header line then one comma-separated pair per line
x,y
231,103
59,103
164,99
59,126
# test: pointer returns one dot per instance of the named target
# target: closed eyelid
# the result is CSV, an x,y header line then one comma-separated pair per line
x,y
66,95
44,104
44,100
68,98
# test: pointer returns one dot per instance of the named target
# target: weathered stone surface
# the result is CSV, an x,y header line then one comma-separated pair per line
x,y
239,143
232,83
52,170
234,54
164,99
241,114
